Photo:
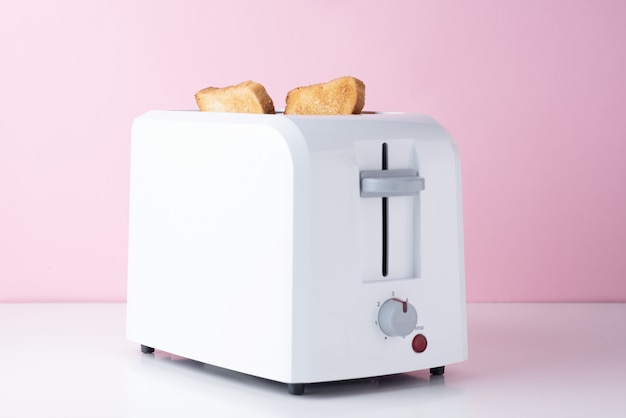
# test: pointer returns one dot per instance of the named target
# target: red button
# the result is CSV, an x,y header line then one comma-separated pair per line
x,y
419,343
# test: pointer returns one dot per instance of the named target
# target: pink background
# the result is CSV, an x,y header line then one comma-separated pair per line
x,y
533,91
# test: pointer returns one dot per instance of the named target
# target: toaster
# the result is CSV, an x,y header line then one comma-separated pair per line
x,y
299,249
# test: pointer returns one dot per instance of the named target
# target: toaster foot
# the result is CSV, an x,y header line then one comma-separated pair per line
x,y
438,371
146,349
295,388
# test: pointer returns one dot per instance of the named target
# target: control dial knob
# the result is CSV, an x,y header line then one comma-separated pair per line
x,y
397,318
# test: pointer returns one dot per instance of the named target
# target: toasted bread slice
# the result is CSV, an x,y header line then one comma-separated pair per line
x,y
342,96
246,97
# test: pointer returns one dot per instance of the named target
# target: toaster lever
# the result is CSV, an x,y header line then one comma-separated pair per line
x,y
385,183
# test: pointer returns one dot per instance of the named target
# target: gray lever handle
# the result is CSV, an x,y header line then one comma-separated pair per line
x,y
387,183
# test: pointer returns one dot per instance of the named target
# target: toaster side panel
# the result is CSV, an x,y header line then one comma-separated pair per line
x,y
211,242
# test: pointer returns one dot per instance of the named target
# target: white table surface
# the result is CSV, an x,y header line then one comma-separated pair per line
x,y
526,360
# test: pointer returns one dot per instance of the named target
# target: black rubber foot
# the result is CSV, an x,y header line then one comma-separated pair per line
x,y
146,349
438,371
295,388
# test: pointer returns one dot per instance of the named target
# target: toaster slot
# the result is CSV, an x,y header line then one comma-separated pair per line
x,y
385,210
391,225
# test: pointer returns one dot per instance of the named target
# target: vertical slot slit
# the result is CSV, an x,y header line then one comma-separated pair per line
x,y
385,231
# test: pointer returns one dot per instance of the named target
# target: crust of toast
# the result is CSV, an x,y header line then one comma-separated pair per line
x,y
341,96
246,97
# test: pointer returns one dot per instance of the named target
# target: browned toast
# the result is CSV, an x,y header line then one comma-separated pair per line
x,y
342,96
246,97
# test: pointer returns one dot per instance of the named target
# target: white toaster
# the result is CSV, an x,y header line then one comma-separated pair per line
x,y
299,249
